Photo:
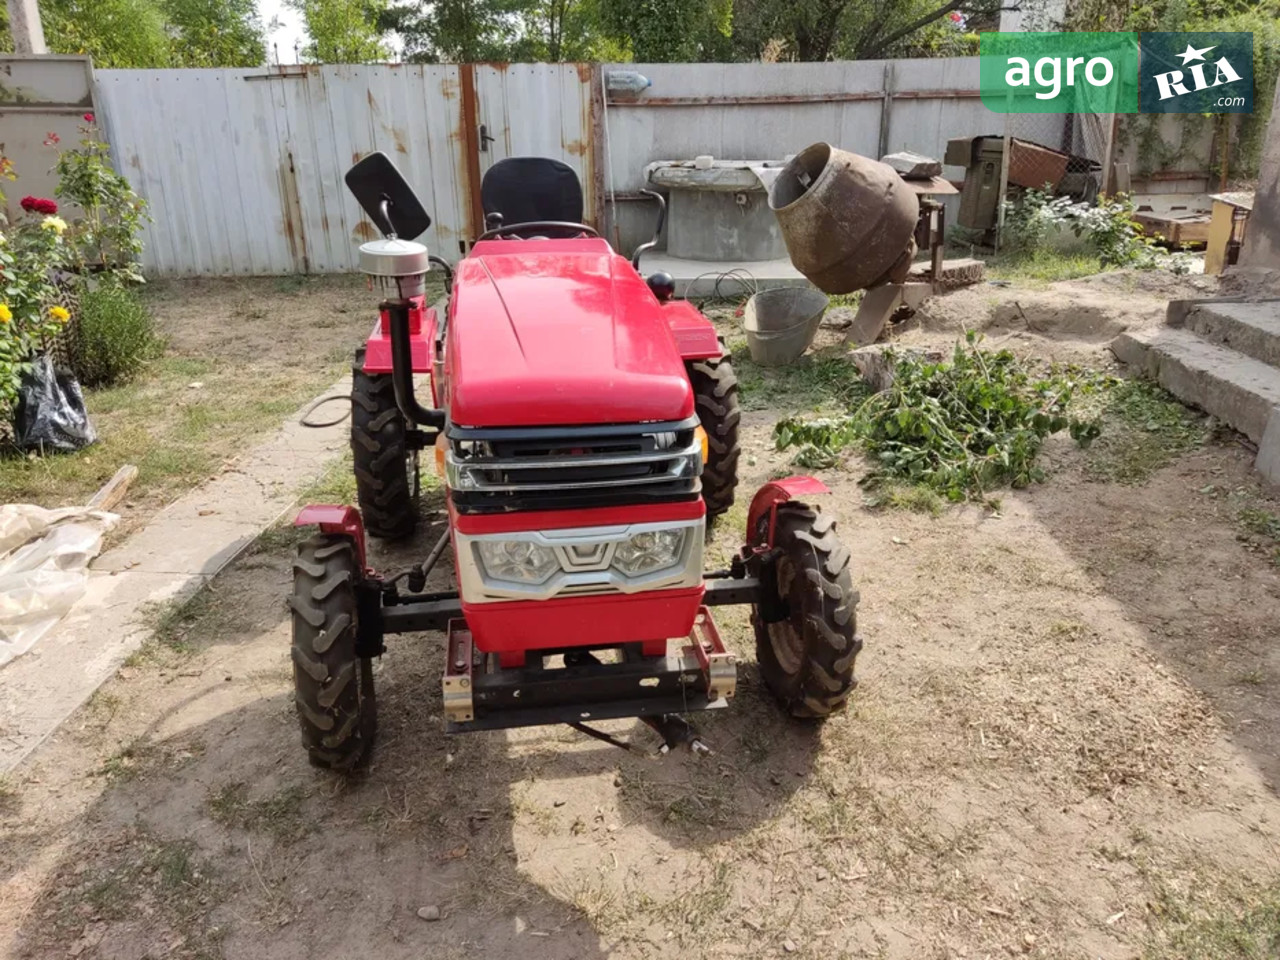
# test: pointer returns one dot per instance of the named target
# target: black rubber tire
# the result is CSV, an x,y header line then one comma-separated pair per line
x,y
807,659
715,394
380,453
333,688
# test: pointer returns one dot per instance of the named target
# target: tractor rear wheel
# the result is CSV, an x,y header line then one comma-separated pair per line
x,y
333,687
807,658
715,394
380,451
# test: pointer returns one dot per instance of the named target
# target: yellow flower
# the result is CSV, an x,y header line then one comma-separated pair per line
x,y
61,314
56,224
5,313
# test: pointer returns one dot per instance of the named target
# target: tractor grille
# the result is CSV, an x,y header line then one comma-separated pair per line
x,y
546,468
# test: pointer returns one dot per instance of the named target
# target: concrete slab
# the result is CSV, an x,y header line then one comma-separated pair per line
x,y
1238,390
1268,460
698,278
180,550
1250,328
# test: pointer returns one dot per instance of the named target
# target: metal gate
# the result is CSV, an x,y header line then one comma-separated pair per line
x,y
243,168
531,110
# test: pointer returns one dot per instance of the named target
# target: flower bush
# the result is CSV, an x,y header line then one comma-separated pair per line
x,y
1107,226
30,314
104,239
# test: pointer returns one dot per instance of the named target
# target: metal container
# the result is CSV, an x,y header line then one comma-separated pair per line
x,y
781,323
847,220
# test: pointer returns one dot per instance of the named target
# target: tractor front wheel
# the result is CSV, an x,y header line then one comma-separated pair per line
x,y
333,687
715,395
807,657
380,452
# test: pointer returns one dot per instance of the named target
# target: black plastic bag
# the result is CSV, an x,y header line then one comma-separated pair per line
x,y
51,416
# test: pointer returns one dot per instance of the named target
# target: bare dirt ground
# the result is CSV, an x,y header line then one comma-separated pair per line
x,y
1063,745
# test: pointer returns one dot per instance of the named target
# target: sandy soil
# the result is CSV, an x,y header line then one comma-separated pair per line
x,y
1063,745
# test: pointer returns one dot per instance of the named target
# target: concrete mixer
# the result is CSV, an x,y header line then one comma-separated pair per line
x,y
851,223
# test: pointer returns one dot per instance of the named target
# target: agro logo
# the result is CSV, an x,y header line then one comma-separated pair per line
x,y
1197,73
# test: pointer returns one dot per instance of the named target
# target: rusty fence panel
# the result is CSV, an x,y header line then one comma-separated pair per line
x,y
243,168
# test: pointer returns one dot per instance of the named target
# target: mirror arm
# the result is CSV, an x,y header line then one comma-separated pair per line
x,y
384,209
657,232
402,368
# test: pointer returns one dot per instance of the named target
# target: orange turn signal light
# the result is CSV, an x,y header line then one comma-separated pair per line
x,y
702,439
442,444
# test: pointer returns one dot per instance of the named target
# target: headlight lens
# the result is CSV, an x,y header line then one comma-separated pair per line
x,y
649,551
519,561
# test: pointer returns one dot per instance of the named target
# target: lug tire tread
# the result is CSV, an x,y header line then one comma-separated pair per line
x,y
715,392
380,451
823,618
333,688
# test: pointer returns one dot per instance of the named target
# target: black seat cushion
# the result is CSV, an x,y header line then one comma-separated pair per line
x,y
525,189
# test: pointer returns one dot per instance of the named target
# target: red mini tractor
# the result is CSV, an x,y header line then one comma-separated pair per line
x,y
586,425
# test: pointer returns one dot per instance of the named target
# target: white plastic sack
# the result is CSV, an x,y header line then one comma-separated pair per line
x,y
44,560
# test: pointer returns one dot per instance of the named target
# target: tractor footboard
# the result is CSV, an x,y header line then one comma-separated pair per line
x,y
481,695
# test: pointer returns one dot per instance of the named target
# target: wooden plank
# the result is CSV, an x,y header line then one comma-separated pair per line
x,y
1215,251
113,490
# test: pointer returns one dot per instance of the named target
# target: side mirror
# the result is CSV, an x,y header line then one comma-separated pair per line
x,y
387,197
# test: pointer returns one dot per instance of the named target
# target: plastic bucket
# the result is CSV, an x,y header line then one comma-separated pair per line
x,y
780,324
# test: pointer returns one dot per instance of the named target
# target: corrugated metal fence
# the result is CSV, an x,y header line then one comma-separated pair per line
x,y
243,168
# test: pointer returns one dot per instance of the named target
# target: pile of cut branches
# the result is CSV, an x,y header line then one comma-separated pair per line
x,y
960,427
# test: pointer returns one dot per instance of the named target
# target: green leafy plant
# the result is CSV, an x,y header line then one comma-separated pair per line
x,y
104,238
31,313
959,427
113,336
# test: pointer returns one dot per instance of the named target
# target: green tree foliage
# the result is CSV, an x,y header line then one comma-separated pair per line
x,y
343,31
116,33
671,31
152,33
215,33
1247,131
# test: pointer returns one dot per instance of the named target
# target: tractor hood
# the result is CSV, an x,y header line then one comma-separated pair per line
x,y
559,332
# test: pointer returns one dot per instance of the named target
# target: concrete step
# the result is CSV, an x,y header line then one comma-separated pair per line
x,y
1250,328
1239,390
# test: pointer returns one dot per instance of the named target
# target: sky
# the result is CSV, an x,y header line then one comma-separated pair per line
x,y
289,37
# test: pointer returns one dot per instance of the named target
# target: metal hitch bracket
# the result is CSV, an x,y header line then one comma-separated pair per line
x,y
702,676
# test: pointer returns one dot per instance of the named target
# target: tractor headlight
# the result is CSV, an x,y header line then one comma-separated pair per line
x,y
519,561
649,551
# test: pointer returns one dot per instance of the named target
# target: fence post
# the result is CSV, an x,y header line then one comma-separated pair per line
x,y
24,24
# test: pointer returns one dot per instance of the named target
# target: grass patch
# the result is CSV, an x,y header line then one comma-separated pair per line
x,y
1243,924
10,802
127,762
113,881
912,497
1145,428
826,379
177,434
279,815
337,484
1261,529
1043,267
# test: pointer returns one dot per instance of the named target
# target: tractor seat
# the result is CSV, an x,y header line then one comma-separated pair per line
x,y
530,189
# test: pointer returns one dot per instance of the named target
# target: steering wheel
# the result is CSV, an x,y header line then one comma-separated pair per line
x,y
517,231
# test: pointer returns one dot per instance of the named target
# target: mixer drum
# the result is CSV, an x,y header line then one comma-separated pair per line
x,y
848,221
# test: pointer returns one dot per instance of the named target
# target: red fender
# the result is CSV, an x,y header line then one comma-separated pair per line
x,y
765,505
335,519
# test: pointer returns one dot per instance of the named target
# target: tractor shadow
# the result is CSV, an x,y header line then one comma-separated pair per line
x,y
212,836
